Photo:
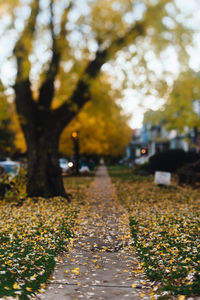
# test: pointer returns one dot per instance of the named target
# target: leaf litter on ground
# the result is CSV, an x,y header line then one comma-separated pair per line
x,y
31,237
165,224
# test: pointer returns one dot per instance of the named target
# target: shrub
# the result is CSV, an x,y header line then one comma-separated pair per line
x,y
143,170
190,173
192,157
14,189
172,160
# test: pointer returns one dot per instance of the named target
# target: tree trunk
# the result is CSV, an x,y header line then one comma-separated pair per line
x,y
44,173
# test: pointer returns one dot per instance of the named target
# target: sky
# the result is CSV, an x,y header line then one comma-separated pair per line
x,y
134,101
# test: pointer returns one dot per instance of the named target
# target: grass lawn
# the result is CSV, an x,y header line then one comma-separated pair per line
x,y
32,235
165,224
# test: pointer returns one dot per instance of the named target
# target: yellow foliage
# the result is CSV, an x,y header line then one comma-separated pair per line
x,y
102,126
178,111
15,127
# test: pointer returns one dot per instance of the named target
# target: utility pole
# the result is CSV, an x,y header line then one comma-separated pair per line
x,y
75,140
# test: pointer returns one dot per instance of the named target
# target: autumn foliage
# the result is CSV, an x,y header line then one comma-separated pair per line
x,y
31,237
102,125
165,229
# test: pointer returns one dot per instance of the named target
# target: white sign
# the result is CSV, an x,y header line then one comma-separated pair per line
x,y
162,177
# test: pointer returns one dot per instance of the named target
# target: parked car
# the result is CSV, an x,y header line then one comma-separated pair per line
x,y
84,169
66,165
141,160
10,167
63,163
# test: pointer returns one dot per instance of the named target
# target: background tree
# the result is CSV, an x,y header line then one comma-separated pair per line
x,y
182,106
101,124
19,141
6,133
79,42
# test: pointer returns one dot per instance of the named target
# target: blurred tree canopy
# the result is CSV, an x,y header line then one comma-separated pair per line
x,y
182,106
60,48
6,133
102,125
19,141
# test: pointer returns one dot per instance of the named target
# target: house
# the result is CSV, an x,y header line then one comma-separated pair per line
x,y
155,138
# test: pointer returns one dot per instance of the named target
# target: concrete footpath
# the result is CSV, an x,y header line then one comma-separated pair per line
x,y
100,262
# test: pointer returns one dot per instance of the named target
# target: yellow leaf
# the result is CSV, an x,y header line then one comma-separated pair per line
x,y
33,277
75,271
16,286
43,285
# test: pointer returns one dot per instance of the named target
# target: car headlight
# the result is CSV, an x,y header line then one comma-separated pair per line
x,y
70,164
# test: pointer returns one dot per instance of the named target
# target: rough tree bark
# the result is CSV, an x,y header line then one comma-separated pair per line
x,y
41,125
44,174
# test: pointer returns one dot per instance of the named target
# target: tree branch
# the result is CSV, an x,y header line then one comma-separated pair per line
x,y
65,113
24,44
24,100
47,88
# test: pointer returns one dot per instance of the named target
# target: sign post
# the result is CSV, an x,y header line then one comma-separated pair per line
x,y
162,177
